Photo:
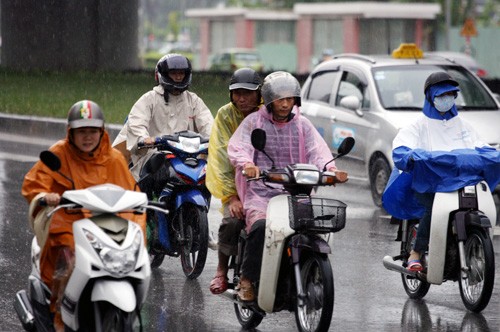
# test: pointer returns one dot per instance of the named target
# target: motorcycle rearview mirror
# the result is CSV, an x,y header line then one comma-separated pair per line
x,y
344,148
52,161
258,139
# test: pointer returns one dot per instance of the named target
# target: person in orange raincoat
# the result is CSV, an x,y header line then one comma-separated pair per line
x,y
88,159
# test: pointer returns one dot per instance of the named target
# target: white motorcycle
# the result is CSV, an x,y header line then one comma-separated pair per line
x,y
460,245
296,274
111,277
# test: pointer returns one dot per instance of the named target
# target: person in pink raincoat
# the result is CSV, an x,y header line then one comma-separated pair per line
x,y
291,138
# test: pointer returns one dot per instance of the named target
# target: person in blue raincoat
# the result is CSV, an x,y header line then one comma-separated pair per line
x,y
435,143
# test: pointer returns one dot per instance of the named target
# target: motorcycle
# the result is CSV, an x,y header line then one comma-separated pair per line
x,y
460,243
111,274
185,232
296,274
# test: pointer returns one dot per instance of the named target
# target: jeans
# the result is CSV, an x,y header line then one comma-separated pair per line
x,y
424,226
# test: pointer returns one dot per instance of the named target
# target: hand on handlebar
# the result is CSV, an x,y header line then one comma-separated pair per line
x,y
341,176
250,171
52,199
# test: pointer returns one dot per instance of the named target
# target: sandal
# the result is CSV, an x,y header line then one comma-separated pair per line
x,y
414,265
218,285
245,291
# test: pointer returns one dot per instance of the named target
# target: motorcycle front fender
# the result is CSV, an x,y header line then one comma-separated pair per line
x,y
119,293
192,196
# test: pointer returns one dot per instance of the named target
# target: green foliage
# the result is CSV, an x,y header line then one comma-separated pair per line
x,y
51,94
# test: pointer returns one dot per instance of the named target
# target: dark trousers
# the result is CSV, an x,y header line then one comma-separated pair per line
x,y
252,258
424,226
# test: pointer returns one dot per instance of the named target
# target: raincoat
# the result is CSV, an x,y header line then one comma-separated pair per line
x,y
220,173
151,117
436,153
104,165
296,141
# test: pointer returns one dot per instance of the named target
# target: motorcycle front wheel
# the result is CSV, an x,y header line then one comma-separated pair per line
x,y
477,286
317,282
114,319
414,287
193,246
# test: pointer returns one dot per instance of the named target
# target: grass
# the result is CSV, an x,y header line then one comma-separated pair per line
x,y
51,94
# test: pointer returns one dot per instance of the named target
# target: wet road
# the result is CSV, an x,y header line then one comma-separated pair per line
x,y
367,296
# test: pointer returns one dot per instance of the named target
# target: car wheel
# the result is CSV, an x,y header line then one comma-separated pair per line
x,y
379,175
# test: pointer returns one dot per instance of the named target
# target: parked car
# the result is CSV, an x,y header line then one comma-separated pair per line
x,y
235,58
463,59
372,97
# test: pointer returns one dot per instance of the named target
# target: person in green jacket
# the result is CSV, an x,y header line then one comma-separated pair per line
x,y
244,92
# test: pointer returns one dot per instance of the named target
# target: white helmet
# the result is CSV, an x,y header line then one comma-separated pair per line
x,y
279,85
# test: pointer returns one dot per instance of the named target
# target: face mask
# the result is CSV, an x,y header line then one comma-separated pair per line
x,y
444,103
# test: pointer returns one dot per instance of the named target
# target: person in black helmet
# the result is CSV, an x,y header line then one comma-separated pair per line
x,y
438,128
244,94
168,108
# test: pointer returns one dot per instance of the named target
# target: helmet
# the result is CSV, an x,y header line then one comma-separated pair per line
x,y
85,113
245,78
280,85
438,77
173,62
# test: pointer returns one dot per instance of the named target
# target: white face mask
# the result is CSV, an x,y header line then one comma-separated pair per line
x,y
444,103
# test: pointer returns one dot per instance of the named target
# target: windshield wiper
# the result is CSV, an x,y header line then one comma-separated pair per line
x,y
404,108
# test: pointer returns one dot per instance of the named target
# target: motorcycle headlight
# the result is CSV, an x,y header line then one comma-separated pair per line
x,y
306,176
118,262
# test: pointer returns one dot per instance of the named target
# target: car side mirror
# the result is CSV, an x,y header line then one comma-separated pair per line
x,y
352,103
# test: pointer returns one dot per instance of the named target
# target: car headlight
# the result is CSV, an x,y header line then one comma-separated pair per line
x,y
306,176
118,262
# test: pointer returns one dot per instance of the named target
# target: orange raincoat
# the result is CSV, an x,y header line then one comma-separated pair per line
x,y
104,165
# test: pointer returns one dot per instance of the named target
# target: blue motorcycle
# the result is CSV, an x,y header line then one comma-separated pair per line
x,y
181,159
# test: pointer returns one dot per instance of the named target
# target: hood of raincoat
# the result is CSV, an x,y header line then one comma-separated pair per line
x,y
436,90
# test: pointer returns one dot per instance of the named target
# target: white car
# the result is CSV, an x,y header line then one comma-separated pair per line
x,y
372,97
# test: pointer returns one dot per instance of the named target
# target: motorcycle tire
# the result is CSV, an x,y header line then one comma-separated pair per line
x,y
114,319
193,246
249,319
414,287
317,282
477,287
155,257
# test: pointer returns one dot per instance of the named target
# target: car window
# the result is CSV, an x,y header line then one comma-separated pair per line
x,y
246,57
402,87
321,86
351,85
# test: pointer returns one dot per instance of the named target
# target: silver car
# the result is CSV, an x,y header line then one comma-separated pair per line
x,y
372,97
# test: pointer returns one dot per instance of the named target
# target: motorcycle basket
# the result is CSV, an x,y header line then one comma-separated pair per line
x,y
321,215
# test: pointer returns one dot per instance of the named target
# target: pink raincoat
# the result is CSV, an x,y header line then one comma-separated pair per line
x,y
296,141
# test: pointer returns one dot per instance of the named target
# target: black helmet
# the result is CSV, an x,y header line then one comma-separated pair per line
x,y
85,113
438,77
173,62
245,78
280,85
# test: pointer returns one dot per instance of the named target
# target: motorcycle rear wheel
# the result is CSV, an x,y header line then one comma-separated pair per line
x,y
194,246
317,282
477,287
248,318
155,257
414,287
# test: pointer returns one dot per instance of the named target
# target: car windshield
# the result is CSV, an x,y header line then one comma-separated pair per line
x,y
246,57
401,87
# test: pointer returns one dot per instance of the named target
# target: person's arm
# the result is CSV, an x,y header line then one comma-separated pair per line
x,y
203,118
139,119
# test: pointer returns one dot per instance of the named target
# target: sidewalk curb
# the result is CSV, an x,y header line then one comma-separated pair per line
x,y
48,128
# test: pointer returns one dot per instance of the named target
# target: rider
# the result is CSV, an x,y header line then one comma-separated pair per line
x,y
166,109
439,128
291,138
88,159
244,93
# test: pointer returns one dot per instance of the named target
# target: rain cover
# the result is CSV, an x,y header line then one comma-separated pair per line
x,y
439,171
